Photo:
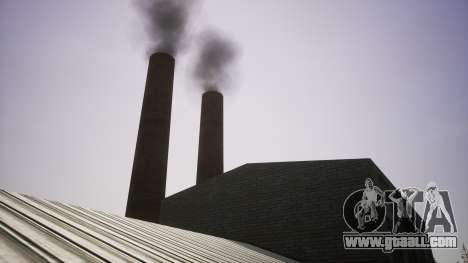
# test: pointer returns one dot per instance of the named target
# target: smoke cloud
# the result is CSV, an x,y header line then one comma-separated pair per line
x,y
166,23
215,60
167,26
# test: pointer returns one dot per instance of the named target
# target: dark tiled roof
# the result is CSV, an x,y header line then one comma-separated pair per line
x,y
291,208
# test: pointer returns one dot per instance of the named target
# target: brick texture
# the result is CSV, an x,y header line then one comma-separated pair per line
x,y
290,208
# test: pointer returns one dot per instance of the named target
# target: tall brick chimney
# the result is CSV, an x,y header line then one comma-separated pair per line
x,y
148,182
210,147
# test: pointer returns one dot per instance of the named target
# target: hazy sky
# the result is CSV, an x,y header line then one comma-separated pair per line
x,y
316,80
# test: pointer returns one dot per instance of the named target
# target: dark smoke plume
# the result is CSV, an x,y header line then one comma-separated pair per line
x,y
215,60
166,23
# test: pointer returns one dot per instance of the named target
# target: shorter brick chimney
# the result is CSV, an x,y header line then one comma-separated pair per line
x,y
210,146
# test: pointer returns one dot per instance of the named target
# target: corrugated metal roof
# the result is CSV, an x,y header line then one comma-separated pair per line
x,y
35,230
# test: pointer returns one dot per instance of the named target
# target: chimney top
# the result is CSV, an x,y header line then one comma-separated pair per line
x,y
162,54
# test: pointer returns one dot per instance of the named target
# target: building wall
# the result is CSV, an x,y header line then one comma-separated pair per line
x,y
291,208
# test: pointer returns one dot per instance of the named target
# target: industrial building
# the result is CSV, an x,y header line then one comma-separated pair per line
x,y
291,208
259,212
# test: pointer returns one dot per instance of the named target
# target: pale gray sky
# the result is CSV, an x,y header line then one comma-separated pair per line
x,y
316,80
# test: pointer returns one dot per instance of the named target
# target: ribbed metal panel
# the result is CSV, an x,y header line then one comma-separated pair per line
x,y
35,230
